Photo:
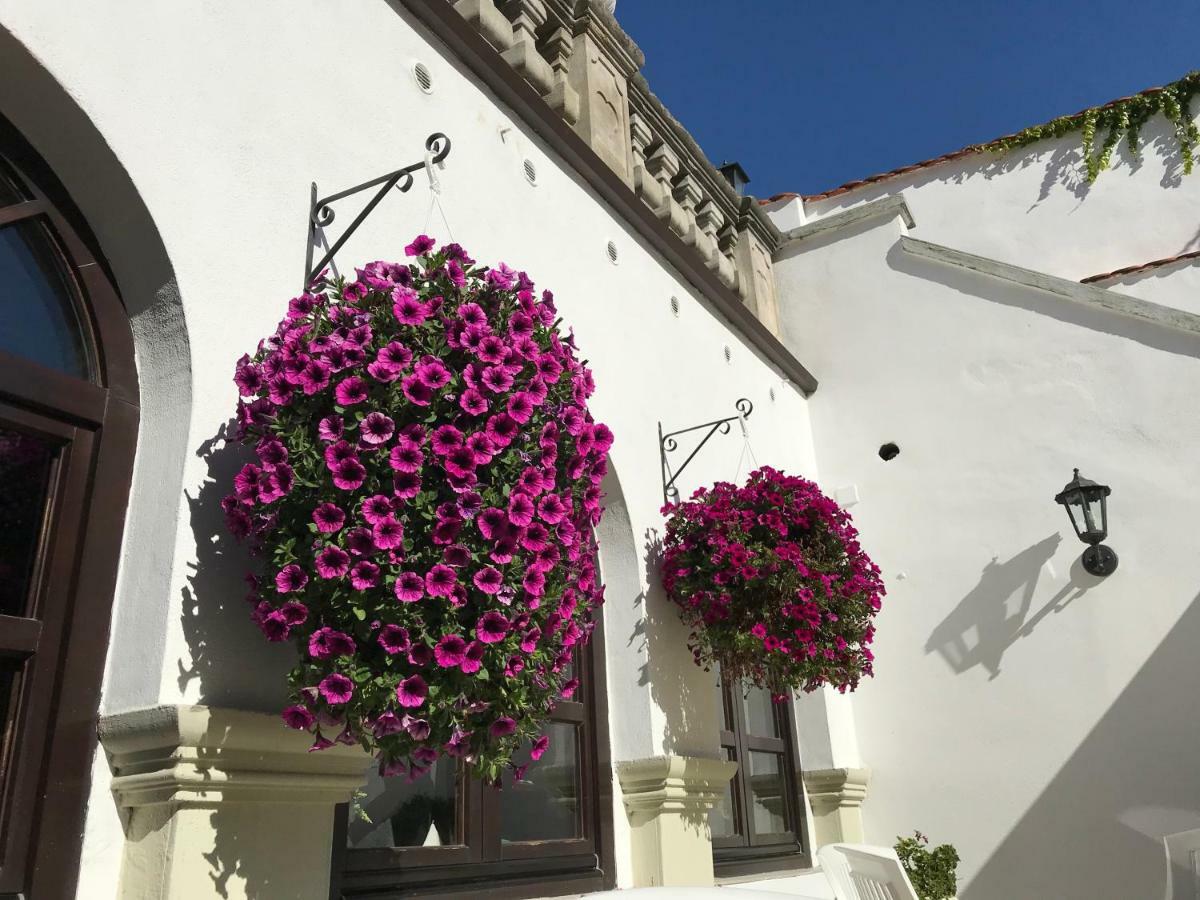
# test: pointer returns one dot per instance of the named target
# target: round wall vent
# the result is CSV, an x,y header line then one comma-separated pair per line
x,y
423,77
612,253
530,172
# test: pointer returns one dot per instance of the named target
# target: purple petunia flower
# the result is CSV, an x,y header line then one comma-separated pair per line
x,y
440,581
406,485
502,727
388,534
359,541
450,651
336,689
410,587
333,562
502,429
412,691
459,743
294,612
520,509
349,474
416,391
290,578
407,307
329,518
377,508
491,522
420,655
420,245
350,391
418,729
446,439
456,556
432,373
406,457
326,643
539,747
491,627
364,575
473,401
393,639
520,407
489,580
551,509
298,717
376,428
497,379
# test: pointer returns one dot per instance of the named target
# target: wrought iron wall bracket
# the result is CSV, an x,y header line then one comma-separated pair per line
x,y
668,444
320,213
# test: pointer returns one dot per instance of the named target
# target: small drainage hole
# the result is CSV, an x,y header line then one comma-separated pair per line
x,y
889,451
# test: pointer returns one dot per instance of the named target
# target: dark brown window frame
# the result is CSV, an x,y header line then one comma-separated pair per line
x,y
485,867
747,852
62,639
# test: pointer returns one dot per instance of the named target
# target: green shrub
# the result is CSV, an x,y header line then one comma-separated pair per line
x,y
932,872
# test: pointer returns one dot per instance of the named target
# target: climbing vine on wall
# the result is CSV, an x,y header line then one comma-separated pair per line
x,y
1121,118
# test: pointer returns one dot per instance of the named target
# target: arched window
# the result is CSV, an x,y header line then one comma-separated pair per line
x,y
68,422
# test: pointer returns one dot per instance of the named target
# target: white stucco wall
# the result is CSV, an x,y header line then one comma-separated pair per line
x,y
1034,207
1177,284
1044,721
216,119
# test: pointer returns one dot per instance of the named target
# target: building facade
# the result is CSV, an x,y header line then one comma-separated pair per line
x,y
158,173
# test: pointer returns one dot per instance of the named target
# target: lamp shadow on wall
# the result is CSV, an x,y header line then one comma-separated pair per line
x,y
1114,820
230,661
985,623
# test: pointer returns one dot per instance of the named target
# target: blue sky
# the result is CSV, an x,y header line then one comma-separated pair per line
x,y
807,94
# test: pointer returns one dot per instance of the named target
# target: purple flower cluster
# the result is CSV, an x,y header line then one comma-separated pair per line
x,y
426,482
772,581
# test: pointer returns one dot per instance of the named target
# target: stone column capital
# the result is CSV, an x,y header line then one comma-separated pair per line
x,y
201,756
836,797
673,783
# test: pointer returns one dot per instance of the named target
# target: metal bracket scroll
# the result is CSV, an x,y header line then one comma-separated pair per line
x,y
320,213
668,444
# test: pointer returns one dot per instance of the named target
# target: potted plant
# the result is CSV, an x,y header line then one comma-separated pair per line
x,y
773,583
932,872
426,481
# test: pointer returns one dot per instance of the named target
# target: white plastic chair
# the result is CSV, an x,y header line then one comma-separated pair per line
x,y
864,872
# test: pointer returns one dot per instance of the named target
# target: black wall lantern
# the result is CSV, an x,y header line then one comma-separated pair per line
x,y
1087,507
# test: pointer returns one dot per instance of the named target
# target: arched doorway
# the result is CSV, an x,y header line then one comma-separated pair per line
x,y
68,427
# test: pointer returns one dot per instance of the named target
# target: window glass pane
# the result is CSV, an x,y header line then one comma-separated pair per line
x,y
421,814
722,818
26,465
761,720
544,805
767,792
35,302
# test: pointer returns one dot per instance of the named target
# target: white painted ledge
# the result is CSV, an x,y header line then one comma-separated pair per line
x,y
885,207
1085,294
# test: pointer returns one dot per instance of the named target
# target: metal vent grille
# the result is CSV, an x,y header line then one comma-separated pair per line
x,y
530,172
423,77
675,306
728,354
612,253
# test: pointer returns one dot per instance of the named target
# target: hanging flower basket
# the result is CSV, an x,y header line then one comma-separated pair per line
x,y
426,484
773,583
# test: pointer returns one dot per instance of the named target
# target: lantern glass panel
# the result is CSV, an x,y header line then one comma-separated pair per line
x,y
1074,507
1096,509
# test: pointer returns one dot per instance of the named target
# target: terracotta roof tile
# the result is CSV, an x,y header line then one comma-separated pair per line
x,y
1129,270
928,163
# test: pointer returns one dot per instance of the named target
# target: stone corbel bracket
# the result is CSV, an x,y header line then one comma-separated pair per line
x,y
836,797
668,799
199,756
